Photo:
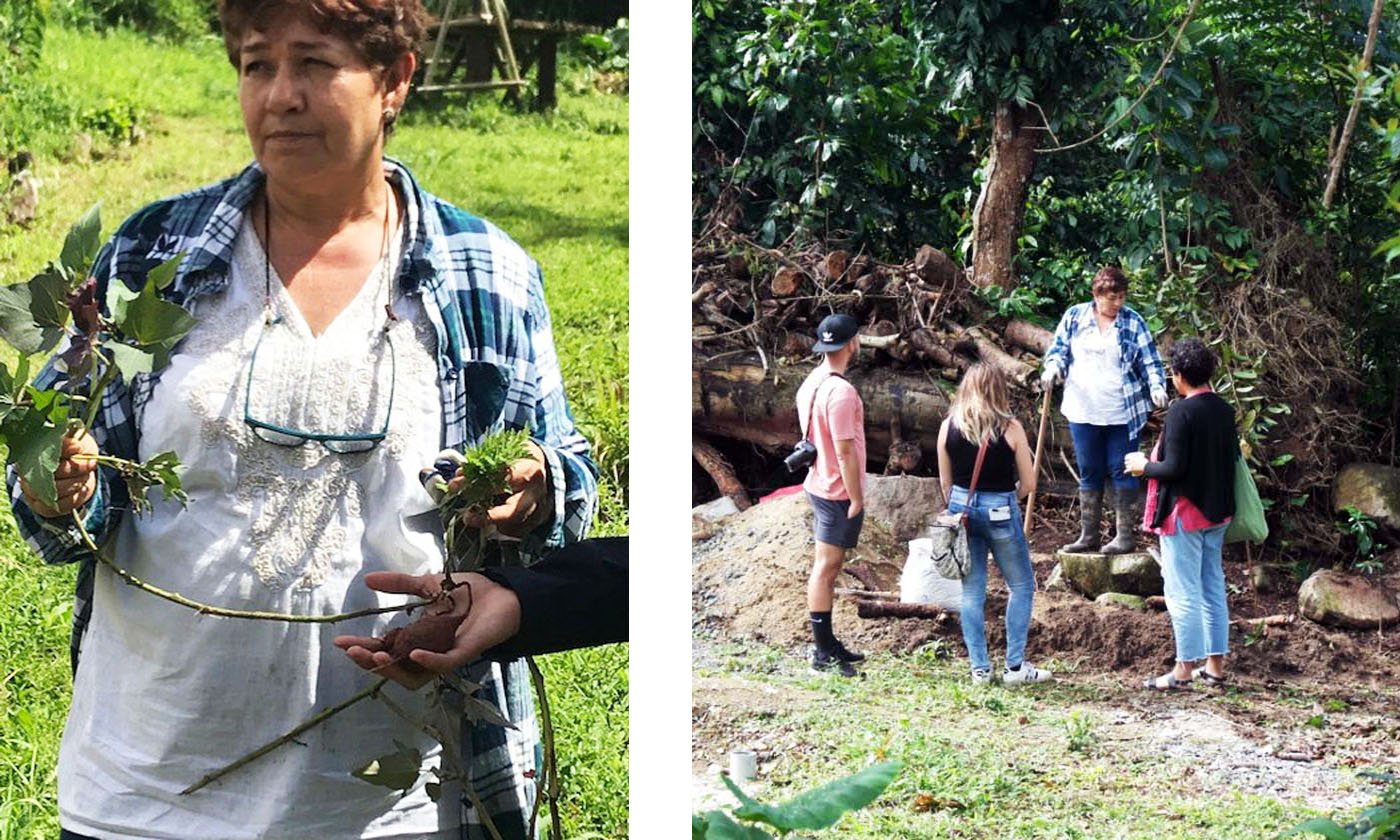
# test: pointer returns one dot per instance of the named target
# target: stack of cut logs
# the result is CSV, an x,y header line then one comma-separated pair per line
x,y
754,316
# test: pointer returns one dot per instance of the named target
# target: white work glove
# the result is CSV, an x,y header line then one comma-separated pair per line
x,y
1159,398
1050,377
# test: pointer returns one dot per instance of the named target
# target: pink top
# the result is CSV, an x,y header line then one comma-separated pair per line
x,y
839,415
1183,515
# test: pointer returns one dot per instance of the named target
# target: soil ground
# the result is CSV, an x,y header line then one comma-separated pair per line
x,y
1305,704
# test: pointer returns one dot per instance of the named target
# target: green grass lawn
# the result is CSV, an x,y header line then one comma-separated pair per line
x,y
556,183
1039,762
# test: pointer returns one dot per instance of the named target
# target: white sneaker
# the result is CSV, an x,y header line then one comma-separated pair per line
x,y
1024,675
982,676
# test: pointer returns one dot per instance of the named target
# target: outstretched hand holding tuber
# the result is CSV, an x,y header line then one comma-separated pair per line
x,y
492,615
75,478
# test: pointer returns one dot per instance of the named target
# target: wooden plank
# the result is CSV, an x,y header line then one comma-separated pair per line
x,y
545,95
498,8
437,47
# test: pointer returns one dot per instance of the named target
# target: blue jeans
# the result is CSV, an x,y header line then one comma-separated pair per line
x,y
1195,587
1099,451
1007,542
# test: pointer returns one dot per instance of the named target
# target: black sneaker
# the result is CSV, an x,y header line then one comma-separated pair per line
x,y
825,662
846,655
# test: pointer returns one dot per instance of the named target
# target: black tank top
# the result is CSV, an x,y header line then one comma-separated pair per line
x,y
998,467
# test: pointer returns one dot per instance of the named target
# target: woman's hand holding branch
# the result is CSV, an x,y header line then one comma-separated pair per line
x,y
75,478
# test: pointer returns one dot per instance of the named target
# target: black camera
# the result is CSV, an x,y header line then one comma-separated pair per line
x,y
803,455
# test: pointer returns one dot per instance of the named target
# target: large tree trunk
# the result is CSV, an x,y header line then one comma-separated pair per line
x,y
1001,207
740,402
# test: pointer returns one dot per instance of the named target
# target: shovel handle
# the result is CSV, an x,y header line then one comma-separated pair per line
x,y
1039,451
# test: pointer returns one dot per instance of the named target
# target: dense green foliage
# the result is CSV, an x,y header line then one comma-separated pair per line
x,y
178,20
1381,821
1188,142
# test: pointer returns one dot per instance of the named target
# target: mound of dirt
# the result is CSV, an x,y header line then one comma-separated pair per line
x,y
749,580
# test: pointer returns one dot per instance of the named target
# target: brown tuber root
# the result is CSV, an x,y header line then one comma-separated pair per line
x,y
433,632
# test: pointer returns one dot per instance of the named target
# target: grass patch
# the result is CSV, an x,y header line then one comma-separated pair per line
x,y
979,762
558,184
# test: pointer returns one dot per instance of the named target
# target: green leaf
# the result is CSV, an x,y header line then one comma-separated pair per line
x,y
48,300
35,436
396,770
18,324
81,244
434,790
1319,825
479,710
164,274
163,470
822,807
717,825
119,297
129,360
151,322
1216,159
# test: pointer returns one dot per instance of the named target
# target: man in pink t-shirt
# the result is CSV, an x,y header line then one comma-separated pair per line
x,y
833,418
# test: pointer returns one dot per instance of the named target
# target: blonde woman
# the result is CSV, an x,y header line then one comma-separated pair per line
x,y
981,414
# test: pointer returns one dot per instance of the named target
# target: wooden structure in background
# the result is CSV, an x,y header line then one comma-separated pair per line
x,y
474,48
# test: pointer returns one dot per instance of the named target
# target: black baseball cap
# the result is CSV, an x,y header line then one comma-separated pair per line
x,y
835,332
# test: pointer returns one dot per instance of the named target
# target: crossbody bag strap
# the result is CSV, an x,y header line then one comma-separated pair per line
x,y
977,469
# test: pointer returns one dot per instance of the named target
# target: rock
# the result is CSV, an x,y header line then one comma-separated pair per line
x,y
22,199
1094,574
1155,602
1121,599
1373,489
1056,581
1348,601
1269,577
907,503
716,510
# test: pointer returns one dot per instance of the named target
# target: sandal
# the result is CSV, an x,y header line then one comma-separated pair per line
x,y
1208,678
1166,682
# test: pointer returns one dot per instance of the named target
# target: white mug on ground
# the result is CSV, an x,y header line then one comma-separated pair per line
x,y
743,765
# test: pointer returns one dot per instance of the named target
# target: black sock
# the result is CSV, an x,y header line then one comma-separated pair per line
x,y
821,631
1009,668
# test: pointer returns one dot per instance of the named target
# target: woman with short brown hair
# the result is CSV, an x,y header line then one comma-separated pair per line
x,y
1104,354
349,325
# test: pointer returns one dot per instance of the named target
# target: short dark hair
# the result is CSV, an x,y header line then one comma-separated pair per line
x,y
1193,359
381,31
1110,278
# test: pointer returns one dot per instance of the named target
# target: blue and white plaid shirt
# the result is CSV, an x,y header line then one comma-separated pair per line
x,y
496,368
1138,358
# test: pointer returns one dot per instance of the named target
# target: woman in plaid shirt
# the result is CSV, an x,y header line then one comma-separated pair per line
x,y
1104,354
349,326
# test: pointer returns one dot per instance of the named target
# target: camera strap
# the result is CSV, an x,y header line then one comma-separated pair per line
x,y
807,430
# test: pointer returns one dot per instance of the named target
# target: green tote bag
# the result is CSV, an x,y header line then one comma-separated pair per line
x,y
1248,523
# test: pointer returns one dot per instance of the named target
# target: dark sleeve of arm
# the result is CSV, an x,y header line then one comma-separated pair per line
x,y
575,597
1174,435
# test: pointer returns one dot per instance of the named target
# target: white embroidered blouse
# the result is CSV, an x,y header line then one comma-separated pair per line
x,y
269,528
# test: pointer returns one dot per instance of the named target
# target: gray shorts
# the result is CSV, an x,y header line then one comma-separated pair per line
x,y
831,524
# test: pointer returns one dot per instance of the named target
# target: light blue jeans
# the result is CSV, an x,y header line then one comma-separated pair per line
x,y
1194,580
1007,543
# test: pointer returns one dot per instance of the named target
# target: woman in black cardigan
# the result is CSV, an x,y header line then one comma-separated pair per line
x,y
1191,497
